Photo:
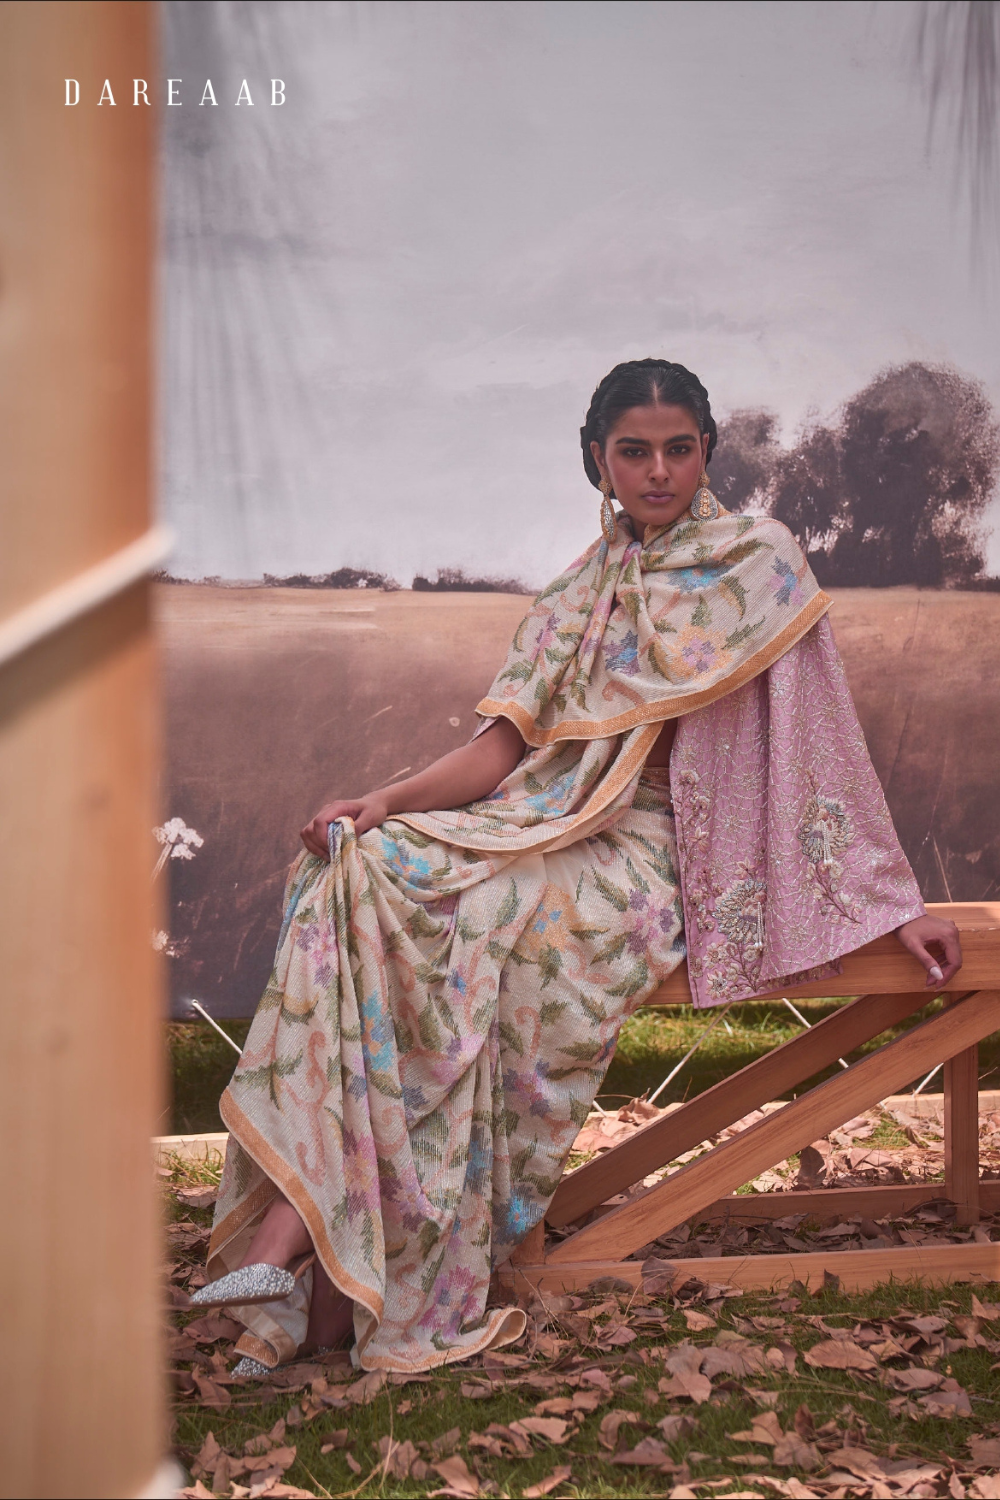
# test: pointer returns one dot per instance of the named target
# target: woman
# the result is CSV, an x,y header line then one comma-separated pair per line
x,y
669,762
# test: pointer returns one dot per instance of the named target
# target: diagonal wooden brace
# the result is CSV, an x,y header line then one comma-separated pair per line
x,y
722,1170
756,1084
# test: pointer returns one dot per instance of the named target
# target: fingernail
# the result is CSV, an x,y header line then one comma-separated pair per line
x,y
935,973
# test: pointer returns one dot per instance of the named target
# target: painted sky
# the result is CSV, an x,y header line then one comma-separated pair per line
x,y
386,304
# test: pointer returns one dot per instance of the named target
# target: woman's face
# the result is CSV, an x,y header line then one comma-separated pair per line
x,y
653,456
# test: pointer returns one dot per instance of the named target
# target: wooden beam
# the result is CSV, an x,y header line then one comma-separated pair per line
x,y
738,1160
82,1385
885,967
758,1083
532,1247
961,1133
878,1202
935,1265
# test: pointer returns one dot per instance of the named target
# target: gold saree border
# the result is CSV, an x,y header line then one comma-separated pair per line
x,y
618,778
663,708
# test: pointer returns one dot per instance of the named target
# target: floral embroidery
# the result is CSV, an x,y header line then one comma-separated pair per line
x,y
701,651
787,588
624,656
824,833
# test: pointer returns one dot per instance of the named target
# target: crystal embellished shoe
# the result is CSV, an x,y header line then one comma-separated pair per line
x,y
250,1369
250,1285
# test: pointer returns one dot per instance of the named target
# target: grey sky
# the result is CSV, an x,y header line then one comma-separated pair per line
x,y
386,304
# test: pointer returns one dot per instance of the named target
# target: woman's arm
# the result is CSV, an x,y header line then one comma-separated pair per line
x,y
461,776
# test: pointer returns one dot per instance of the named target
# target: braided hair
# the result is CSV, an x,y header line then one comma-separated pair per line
x,y
643,382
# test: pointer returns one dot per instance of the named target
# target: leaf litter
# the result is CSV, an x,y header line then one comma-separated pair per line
x,y
729,1372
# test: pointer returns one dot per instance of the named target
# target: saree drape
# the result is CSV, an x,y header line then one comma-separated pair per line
x,y
449,988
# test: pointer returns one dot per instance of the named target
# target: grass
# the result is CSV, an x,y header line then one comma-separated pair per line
x,y
422,1411
651,1043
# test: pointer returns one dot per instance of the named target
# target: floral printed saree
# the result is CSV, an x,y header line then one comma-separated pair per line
x,y
449,988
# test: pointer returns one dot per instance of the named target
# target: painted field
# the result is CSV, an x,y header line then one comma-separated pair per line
x,y
279,699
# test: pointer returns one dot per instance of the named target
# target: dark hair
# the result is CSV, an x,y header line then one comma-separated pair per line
x,y
643,382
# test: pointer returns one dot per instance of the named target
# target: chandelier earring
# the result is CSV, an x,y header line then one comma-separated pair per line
x,y
609,522
704,506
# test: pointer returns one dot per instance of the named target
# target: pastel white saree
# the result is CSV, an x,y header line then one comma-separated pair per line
x,y
449,988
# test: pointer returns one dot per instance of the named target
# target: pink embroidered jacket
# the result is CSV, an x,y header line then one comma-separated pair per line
x,y
789,858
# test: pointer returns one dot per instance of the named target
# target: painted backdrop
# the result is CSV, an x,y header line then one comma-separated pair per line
x,y
385,303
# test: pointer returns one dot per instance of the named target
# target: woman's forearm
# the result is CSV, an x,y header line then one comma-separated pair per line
x,y
464,775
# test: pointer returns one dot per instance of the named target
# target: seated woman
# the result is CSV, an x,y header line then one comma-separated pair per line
x,y
459,950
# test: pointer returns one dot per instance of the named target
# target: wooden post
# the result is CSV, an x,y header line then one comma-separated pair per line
x,y
81,1393
961,1133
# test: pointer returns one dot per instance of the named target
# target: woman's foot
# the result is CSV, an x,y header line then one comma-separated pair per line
x,y
331,1314
281,1238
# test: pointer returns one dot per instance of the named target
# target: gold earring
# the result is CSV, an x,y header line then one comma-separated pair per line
x,y
609,522
704,506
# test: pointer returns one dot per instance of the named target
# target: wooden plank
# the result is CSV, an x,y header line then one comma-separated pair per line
x,y
961,1133
758,1083
885,967
877,1202
935,1265
81,1075
532,1247
738,1160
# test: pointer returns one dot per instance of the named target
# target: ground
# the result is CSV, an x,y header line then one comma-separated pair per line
x,y
888,1393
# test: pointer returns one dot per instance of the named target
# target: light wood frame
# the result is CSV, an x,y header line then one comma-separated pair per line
x,y
884,984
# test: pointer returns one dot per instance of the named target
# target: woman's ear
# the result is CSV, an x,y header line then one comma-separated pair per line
x,y
704,449
598,457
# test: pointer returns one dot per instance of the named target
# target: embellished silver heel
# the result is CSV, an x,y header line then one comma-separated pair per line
x,y
251,1285
250,1369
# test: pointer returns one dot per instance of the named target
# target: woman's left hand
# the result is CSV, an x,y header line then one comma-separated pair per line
x,y
919,935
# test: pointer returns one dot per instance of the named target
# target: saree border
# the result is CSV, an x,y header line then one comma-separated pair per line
x,y
277,1170
663,708
625,768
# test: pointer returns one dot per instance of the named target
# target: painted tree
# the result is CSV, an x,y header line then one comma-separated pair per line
x,y
894,491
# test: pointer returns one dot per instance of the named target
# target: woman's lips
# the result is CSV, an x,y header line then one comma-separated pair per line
x,y
657,499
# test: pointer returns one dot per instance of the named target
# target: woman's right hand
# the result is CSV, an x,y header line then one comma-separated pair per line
x,y
365,812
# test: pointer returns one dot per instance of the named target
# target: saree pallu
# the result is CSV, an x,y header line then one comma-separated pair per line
x,y
437,1025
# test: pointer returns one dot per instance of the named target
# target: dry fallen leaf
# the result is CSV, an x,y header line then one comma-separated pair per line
x,y
398,1459
459,1482
857,1461
552,1429
792,1453
649,1453
985,1450
985,1487
766,1429
674,1427
698,1322
196,1197
447,1442
839,1354
367,1388
548,1484
916,1378
947,1403
607,1434
211,1394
